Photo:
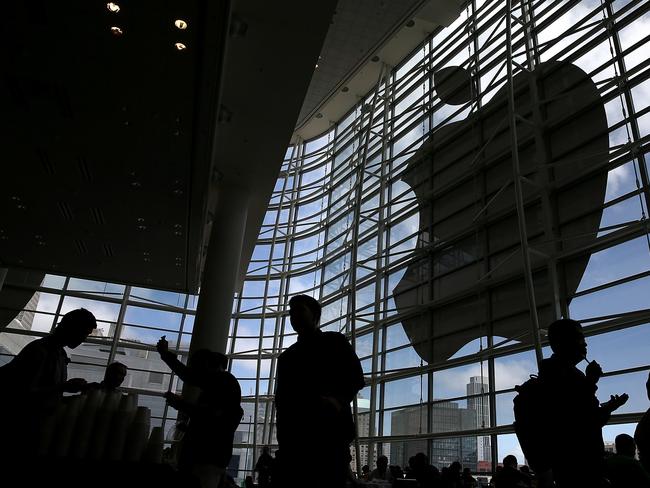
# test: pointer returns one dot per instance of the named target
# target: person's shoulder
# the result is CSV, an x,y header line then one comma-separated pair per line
x,y
334,337
288,352
37,347
226,376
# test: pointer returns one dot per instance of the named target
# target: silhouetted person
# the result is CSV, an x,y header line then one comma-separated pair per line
x,y
381,472
396,472
574,413
113,378
34,381
206,447
623,471
510,476
317,379
642,434
248,482
467,480
454,475
426,475
264,468
365,472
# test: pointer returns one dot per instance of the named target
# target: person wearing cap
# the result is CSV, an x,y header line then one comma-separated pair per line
x,y
34,381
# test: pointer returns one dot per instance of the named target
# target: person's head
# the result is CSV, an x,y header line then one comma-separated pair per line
x,y
75,326
365,469
206,362
510,461
647,386
265,450
455,467
304,313
412,462
625,445
114,375
420,460
467,472
382,462
567,340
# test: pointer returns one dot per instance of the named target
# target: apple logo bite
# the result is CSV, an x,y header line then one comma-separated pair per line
x,y
466,277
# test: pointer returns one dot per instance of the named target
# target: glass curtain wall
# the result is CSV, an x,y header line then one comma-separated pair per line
x,y
343,226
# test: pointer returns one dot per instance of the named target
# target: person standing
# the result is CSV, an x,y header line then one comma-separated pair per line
x,y
264,468
34,381
317,379
206,447
623,470
574,414
382,472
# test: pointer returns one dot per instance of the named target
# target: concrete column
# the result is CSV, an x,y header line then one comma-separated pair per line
x,y
220,271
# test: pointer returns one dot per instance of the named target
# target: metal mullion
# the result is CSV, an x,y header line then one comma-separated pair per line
x,y
62,296
119,324
629,103
280,322
266,426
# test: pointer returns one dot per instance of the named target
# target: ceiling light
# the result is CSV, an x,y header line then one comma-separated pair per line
x,y
180,46
374,59
113,7
410,23
116,31
180,24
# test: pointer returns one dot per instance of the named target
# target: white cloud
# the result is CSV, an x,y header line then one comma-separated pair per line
x,y
508,373
617,180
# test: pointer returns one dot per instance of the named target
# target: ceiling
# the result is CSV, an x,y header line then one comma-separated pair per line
x,y
357,28
364,35
112,139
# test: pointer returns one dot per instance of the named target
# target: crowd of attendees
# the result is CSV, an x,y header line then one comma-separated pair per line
x,y
558,416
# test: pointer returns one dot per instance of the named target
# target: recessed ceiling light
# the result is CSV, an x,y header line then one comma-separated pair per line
x,y
116,31
345,89
180,24
316,67
410,23
319,115
374,59
113,7
180,46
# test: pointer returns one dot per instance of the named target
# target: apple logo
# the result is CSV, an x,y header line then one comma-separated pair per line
x,y
465,279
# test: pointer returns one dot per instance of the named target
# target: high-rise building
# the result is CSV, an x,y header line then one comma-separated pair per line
x,y
445,417
478,385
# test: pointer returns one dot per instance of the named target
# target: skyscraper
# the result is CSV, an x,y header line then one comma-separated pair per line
x,y
478,385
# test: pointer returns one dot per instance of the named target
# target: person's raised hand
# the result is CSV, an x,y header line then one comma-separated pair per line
x,y
74,385
162,346
615,401
593,372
